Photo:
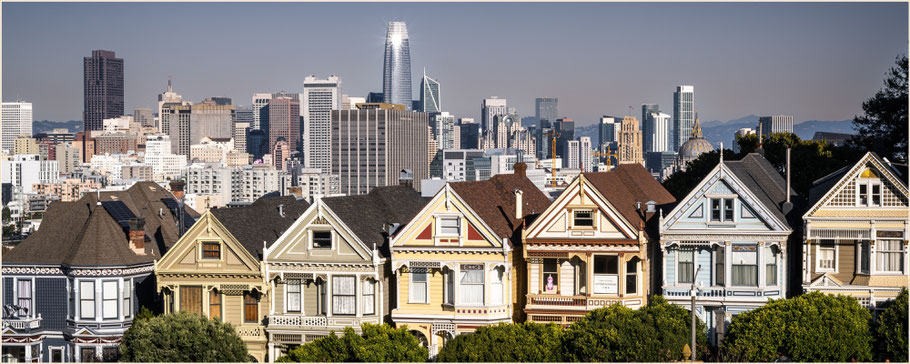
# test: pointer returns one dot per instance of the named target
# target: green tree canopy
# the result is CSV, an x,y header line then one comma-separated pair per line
x,y
891,330
810,327
377,343
506,342
883,127
182,337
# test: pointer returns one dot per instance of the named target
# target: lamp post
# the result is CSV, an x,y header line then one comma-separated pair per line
x,y
694,279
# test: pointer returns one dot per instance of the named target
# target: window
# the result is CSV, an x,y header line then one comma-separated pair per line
x,y
56,355
293,295
876,195
869,193
686,269
496,286
127,298
87,299
606,274
211,251
87,354
863,199
418,287
471,284
745,265
449,226
214,304
825,260
864,253
890,256
322,239
250,308
728,209
632,276
109,299
550,276
719,265
191,299
344,301
770,266
450,287
369,297
25,297
722,209
583,218
715,209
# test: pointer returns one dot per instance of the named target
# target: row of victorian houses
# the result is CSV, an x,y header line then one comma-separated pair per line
x,y
285,272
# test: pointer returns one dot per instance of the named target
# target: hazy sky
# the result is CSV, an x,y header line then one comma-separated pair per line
x,y
815,61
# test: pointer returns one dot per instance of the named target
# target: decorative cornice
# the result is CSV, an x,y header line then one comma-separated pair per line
x,y
669,238
33,270
90,272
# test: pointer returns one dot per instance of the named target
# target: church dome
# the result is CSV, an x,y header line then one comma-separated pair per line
x,y
695,146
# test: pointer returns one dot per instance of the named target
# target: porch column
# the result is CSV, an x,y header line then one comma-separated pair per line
x,y
761,263
28,352
328,295
358,294
589,274
728,263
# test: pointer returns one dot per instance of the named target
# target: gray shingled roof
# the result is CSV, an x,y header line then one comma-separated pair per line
x,y
764,181
261,221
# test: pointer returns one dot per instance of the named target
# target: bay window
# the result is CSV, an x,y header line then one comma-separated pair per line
x,y
864,255
87,299
825,257
632,276
496,286
890,256
25,297
293,295
127,298
214,304
191,299
606,274
719,265
686,269
745,265
471,284
550,279
771,265
344,300
369,297
419,285
450,287
250,308
109,299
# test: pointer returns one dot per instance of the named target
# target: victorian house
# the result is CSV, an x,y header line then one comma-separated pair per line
x,y
856,232
72,288
329,270
457,264
215,269
726,242
590,247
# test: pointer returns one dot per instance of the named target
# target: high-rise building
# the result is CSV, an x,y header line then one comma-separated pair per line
x,y
396,68
240,131
350,103
608,131
630,142
546,108
103,88
165,100
15,120
565,129
260,101
656,132
572,157
429,94
739,134
284,121
320,97
775,124
585,163
647,109
244,115
370,146
443,126
489,108
469,133
683,114
145,116
189,124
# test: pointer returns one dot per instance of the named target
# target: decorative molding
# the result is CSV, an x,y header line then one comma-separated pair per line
x,y
112,272
33,270
423,264
669,238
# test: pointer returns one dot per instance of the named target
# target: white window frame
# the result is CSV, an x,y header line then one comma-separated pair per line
x,y
496,286
879,253
618,273
313,240
866,201
593,213
287,295
31,296
679,255
449,291
83,300
127,297
634,273
368,290
723,199
775,257
439,226
105,288
461,297
426,282
352,294
818,256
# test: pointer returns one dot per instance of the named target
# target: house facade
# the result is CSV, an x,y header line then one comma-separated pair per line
x,y
329,270
856,232
590,247
457,264
727,241
215,269
72,288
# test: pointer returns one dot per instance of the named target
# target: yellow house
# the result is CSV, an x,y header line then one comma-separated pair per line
x,y
458,264
215,268
856,232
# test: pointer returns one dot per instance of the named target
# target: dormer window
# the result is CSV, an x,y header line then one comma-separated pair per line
x,y
211,250
583,218
322,239
722,209
869,193
449,226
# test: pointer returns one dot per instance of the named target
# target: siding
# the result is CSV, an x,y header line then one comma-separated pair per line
x,y
51,302
535,279
846,260
567,279
278,297
233,309
310,299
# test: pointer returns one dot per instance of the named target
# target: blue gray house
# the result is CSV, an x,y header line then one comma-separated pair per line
x,y
72,288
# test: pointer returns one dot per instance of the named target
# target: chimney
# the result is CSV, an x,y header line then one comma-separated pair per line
x,y
296,191
518,200
520,169
787,206
177,188
137,235
281,210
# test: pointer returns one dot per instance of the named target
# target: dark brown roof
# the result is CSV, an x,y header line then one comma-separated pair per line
x,y
261,221
494,201
85,233
627,185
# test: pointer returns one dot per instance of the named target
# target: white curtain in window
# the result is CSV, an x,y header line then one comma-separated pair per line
x,y
418,288
496,286
293,295
109,299
770,266
127,298
87,299
745,268
25,298
889,254
450,287
343,300
369,300
471,291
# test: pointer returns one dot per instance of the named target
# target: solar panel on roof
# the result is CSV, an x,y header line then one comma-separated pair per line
x,y
119,211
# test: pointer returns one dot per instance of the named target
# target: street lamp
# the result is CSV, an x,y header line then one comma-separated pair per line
x,y
694,279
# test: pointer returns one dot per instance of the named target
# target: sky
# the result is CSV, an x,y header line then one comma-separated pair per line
x,y
815,61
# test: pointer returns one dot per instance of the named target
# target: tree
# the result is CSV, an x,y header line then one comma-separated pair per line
x,y
883,127
656,332
7,215
377,343
810,327
182,337
891,330
506,342
679,184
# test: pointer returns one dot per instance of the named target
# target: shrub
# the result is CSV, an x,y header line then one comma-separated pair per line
x,y
378,343
505,342
182,337
891,330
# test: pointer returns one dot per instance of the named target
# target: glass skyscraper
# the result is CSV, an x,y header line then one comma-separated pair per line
x,y
546,108
429,95
683,114
396,69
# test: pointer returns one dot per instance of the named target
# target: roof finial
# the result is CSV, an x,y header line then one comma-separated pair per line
x,y
169,88
721,152
696,128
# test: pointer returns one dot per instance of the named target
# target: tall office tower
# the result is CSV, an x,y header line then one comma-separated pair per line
x,y
165,100
243,115
396,68
443,126
608,130
370,146
647,109
429,94
260,100
241,128
655,132
683,115
470,134
374,97
176,117
320,97
544,137
739,134
572,158
145,116
350,103
489,108
189,124
630,142
15,120
775,124
257,143
586,163
103,88
284,121
546,108
565,128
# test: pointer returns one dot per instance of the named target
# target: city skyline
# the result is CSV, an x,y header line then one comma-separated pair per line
x,y
817,61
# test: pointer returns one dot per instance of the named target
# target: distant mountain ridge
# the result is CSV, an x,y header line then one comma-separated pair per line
x,y
44,126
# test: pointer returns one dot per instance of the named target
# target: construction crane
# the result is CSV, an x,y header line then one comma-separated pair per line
x,y
609,154
554,134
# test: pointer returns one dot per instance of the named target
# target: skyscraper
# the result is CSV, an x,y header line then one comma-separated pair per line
x,y
656,132
647,109
683,114
103,88
320,97
443,126
15,120
609,131
572,154
630,142
546,108
429,95
775,124
585,162
490,108
396,69
165,101
284,121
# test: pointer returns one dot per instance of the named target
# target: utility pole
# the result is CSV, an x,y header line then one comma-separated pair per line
x,y
694,279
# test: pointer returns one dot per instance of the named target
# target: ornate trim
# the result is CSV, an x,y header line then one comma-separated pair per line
x,y
113,271
33,270
707,237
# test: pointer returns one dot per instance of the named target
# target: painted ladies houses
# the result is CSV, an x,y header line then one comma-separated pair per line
x,y
329,270
590,248
856,232
215,269
72,288
458,264
728,239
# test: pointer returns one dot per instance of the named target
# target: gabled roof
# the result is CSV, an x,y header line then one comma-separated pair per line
x,y
368,216
261,221
760,177
85,233
494,201
625,186
823,188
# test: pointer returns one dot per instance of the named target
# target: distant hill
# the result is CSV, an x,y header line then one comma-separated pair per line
x,y
45,126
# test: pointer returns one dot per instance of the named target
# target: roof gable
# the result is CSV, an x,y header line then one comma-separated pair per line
x,y
556,220
261,223
295,244
839,188
186,255
493,201
423,230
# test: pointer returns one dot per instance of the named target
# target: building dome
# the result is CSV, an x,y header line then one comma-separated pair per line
x,y
695,146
